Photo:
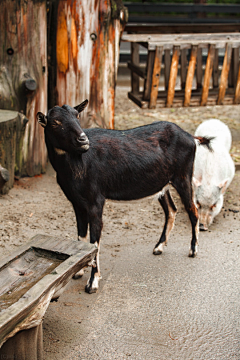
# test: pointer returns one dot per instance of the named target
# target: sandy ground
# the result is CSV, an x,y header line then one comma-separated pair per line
x,y
37,205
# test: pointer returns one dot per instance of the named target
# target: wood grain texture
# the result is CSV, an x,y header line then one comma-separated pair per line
x,y
190,75
29,309
173,76
207,75
156,77
224,74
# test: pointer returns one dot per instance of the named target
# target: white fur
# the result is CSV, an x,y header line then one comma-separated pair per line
x,y
213,171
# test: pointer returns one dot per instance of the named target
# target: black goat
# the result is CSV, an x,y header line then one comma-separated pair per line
x,y
100,164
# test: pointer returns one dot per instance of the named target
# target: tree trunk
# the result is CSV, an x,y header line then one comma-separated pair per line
x,y
84,47
23,75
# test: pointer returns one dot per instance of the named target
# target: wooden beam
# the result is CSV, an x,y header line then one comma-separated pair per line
x,y
235,62
137,99
149,71
190,75
167,63
237,91
156,77
208,74
215,69
134,62
199,74
183,68
173,76
224,74
137,70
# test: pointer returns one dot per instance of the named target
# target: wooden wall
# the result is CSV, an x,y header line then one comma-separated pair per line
x,y
23,73
84,53
54,53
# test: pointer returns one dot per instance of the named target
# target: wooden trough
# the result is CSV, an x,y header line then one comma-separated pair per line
x,y
29,280
214,86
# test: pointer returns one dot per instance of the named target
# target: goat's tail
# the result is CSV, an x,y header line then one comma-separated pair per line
x,y
205,141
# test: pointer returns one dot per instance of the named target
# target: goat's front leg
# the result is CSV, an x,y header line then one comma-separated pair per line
x,y
96,224
82,226
170,210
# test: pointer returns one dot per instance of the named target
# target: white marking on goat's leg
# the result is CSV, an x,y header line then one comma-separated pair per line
x,y
93,284
196,245
170,224
82,238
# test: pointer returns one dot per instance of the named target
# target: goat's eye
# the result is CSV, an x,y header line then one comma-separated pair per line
x,y
56,123
199,205
213,206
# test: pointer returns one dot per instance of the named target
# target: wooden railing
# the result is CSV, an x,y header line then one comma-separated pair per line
x,y
214,84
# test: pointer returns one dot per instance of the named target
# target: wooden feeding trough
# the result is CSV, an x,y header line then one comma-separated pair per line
x,y
29,280
165,51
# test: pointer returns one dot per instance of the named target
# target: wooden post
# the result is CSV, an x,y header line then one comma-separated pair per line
x,y
173,76
215,70
23,73
135,61
183,68
156,76
167,65
235,63
149,71
224,74
237,90
84,52
208,74
199,73
190,75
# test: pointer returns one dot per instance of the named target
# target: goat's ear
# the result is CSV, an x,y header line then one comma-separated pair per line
x,y
41,118
82,106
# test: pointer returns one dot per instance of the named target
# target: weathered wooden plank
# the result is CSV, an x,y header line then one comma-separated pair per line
x,y
237,90
224,74
134,62
167,67
215,74
181,38
156,77
208,74
29,309
173,76
149,72
24,74
190,75
137,99
183,68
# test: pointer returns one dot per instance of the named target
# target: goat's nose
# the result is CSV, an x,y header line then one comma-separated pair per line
x,y
82,138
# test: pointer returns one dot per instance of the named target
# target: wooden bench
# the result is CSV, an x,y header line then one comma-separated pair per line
x,y
29,279
225,87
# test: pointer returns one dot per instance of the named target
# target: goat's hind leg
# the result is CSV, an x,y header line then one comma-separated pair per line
x,y
184,189
170,210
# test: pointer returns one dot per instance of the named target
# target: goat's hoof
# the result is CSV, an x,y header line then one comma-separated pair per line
x,y
157,252
89,289
192,254
78,275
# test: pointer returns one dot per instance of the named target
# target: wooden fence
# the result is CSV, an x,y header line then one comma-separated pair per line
x,y
167,57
